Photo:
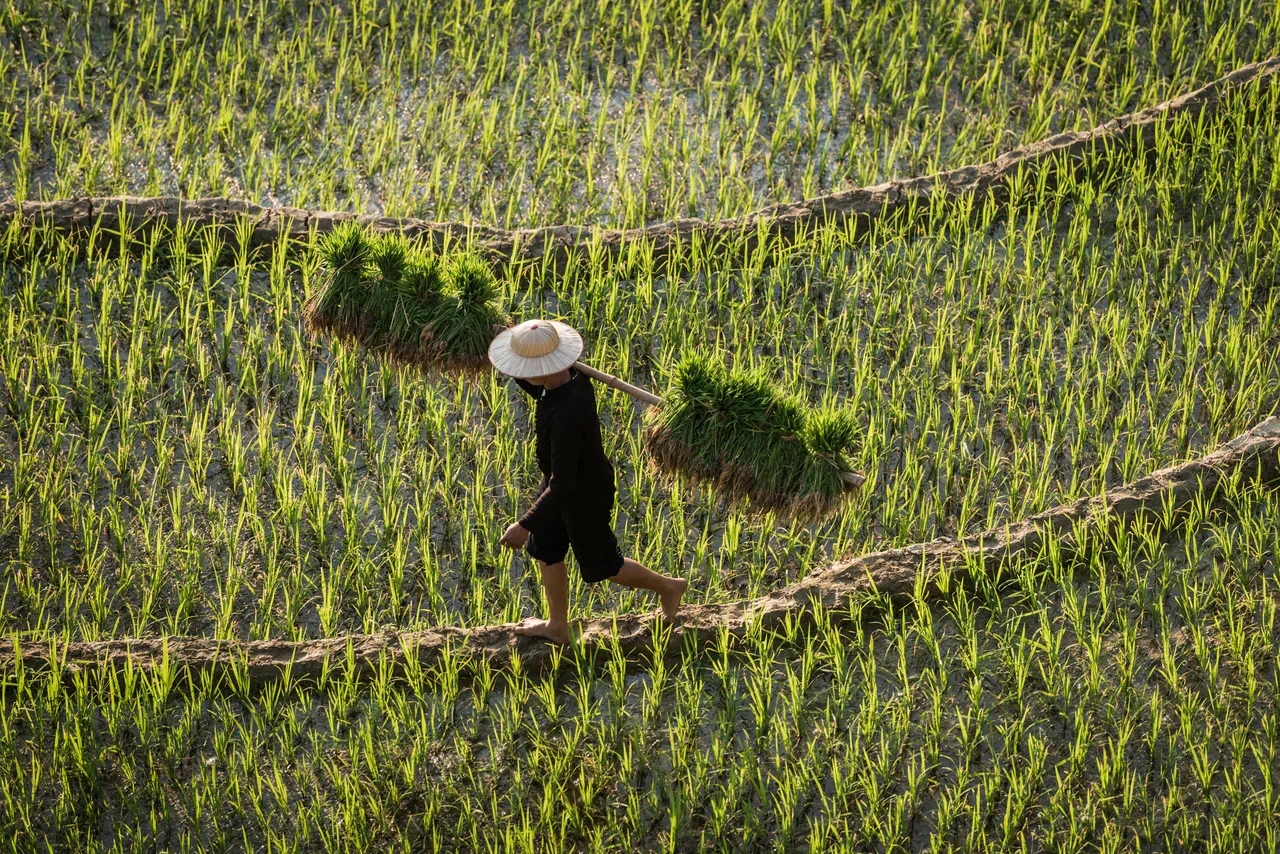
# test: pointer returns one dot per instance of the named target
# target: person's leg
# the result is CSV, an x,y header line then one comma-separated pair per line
x,y
590,531
549,547
670,590
555,585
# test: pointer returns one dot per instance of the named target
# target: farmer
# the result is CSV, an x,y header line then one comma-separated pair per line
x,y
574,507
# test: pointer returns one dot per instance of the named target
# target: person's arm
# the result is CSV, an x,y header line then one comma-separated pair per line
x,y
566,448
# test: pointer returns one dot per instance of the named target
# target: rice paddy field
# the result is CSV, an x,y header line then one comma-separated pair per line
x,y
179,458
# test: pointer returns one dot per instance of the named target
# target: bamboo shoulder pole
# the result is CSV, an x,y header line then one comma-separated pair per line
x,y
621,385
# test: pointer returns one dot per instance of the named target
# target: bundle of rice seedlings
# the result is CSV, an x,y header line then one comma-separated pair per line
x,y
753,442
392,296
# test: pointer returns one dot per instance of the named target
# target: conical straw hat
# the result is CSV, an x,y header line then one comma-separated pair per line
x,y
535,348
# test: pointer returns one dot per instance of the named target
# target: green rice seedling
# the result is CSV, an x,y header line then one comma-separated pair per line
x,y
388,256
422,287
469,315
391,108
995,360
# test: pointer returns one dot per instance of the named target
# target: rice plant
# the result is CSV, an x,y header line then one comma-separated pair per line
x,y
1123,697
179,458
738,431
564,111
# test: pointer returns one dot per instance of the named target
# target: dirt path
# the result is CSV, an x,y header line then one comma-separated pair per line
x,y
856,209
1255,456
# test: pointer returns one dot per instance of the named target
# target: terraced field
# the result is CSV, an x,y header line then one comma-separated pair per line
x,y
182,465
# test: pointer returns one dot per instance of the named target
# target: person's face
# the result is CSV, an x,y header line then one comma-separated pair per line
x,y
549,379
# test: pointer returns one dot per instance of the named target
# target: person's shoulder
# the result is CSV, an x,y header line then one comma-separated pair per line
x,y
585,389
579,402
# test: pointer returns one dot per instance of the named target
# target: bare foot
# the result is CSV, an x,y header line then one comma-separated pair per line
x,y
544,629
671,598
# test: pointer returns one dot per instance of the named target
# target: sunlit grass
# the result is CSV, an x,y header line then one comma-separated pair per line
x,y
1122,698
181,459
569,111
177,457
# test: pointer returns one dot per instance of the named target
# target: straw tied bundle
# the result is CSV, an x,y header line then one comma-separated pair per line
x,y
731,428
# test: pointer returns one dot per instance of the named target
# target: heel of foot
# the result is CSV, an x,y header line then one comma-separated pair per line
x,y
672,598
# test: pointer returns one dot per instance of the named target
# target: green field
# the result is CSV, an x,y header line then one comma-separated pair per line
x,y
178,457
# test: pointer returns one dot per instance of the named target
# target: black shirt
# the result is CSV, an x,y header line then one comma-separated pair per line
x,y
575,471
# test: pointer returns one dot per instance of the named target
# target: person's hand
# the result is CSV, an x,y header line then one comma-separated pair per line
x,y
515,537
